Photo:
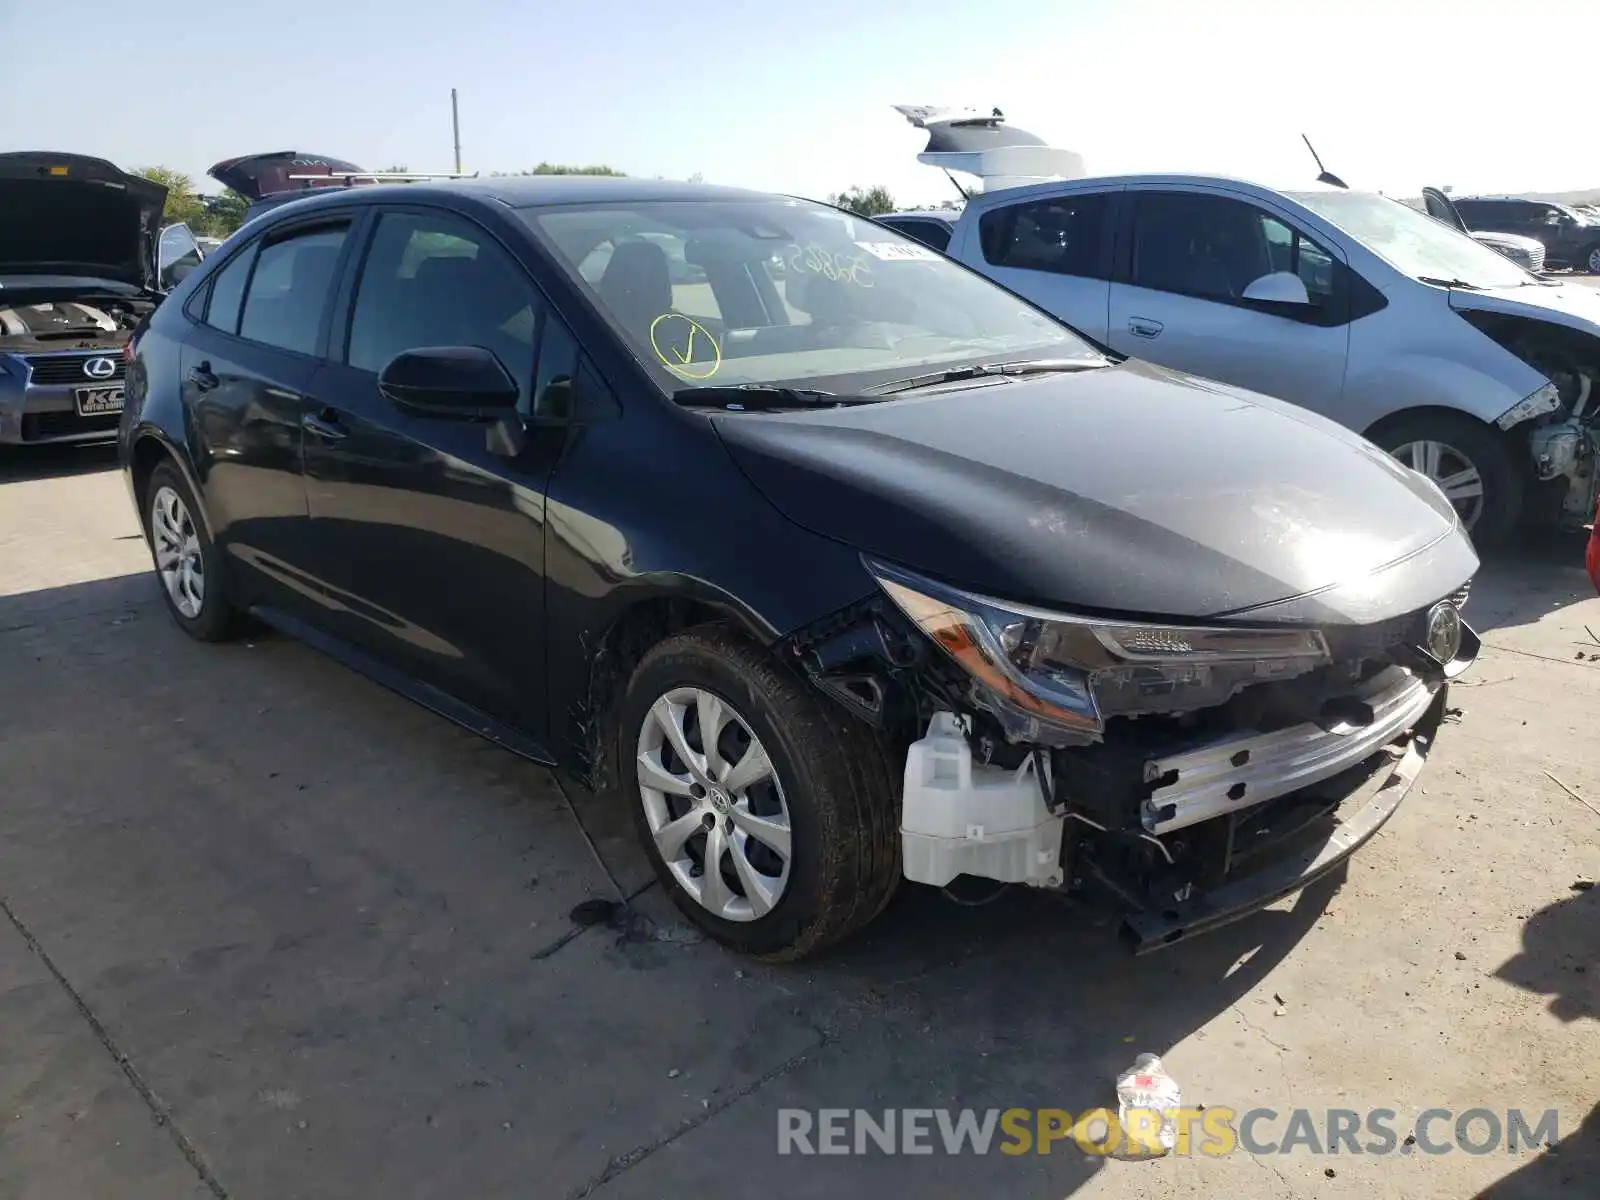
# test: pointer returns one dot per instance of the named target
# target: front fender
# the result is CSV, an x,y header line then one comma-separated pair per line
x,y
662,587
1483,386
139,442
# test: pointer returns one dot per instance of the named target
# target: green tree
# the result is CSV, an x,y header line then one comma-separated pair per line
x,y
183,202
224,213
869,202
396,169
548,168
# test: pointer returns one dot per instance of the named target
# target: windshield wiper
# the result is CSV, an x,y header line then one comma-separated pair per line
x,y
1460,283
1027,366
760,397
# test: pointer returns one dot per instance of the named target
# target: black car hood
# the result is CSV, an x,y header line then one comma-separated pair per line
x,y
255,176
67,214
1127,489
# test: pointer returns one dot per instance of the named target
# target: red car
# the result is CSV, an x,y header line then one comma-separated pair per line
x,y
1591,559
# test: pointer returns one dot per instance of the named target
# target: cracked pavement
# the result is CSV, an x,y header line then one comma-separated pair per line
x,y
271,931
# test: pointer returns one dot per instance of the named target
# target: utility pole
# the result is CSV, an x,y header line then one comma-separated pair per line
x,y
455,124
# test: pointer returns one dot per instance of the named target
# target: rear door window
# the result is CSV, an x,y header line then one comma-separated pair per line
x,y
1064,235
227,291
289,289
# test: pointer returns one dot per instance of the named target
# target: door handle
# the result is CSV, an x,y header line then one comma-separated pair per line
x,y
1144,327
325,425
201,376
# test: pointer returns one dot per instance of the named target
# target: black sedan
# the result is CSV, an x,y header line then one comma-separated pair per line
x,y
834,561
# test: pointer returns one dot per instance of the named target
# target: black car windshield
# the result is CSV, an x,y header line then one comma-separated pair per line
x,y
781,291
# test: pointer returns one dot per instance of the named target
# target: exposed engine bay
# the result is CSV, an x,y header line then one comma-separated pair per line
x,y
1560,425
1204,792
93,323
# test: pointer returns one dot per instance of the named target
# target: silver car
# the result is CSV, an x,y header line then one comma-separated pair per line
x,y
1463,365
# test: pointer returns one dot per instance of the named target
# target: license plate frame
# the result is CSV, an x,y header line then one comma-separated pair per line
x,y
99,401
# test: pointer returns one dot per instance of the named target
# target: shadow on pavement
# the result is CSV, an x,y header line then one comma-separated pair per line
x,y
388,864
109,596
21,463
1560,958
1538,575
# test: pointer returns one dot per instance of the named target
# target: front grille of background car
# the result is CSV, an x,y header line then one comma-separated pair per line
x,y
39,427
68,368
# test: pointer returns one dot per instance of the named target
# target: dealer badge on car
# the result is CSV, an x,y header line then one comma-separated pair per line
x,y
1443,639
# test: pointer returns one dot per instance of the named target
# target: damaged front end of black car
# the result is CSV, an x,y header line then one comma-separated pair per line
x,y
1194,708
1189,775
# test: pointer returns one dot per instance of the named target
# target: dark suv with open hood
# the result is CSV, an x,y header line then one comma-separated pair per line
x,y
831,560
79,247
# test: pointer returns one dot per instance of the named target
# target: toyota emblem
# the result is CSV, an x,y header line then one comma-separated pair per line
x,y
99,368
1443,639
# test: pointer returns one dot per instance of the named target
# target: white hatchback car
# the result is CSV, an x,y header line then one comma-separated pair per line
x,y
1457,361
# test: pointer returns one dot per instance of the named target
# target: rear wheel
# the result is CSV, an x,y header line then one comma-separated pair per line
x,y
1593,259
1469,462
769,818
186,561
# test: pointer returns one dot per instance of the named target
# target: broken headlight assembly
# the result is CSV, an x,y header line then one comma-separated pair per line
x,y
1048,674
1545,399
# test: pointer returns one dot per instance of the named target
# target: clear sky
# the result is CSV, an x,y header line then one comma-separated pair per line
x,y
794,96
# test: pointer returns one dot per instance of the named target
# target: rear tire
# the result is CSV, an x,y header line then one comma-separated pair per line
x,y
807,853
1592,259
188,565
1461,454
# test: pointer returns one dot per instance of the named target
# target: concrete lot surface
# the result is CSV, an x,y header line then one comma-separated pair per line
x,y
270,932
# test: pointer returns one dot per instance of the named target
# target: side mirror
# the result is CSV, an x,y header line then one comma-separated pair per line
x,y
462,383
1280,287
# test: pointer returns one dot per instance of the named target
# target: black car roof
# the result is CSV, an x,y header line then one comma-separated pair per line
x,y
521,191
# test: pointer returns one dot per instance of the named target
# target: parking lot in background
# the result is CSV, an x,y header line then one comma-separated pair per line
x,y
271,931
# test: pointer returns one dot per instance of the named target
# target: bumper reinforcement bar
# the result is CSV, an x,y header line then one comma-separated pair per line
x,y
1240,772
1362,814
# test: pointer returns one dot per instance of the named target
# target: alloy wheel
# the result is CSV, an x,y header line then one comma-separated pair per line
x,y
179,560
1594,261
714,804
1456,474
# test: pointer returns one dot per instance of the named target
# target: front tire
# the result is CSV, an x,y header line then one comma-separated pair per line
x,y
1592,259
770,818
1469,461
187,563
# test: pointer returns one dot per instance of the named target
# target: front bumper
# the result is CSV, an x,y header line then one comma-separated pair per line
x,y
40,413
1356,820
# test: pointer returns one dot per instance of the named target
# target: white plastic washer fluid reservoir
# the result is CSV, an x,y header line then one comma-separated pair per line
x,y
964,818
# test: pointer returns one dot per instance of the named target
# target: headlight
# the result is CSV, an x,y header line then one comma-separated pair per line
x,y
1545,399
1032,667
